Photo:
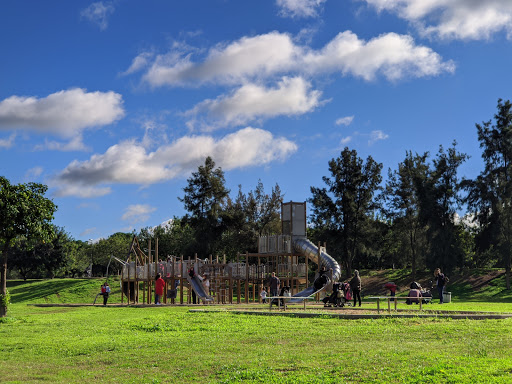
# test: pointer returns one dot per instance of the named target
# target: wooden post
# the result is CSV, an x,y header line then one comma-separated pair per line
x,y
122,284
181,280
246,277
230,288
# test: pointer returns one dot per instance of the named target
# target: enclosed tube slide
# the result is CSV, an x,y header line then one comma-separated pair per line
x,y
198,287
307,248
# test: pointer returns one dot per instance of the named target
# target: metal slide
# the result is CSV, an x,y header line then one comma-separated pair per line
x,y
198,288
310,250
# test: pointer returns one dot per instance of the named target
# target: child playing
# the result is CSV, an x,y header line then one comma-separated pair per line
x,y
263,295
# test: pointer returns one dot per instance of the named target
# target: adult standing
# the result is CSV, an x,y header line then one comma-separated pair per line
x,y
159,289
441,282
355,285
274,284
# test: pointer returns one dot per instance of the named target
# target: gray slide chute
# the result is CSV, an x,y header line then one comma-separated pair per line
x,y
308,249
197,286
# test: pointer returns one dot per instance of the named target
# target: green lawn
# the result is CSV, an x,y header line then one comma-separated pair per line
x,y
173,345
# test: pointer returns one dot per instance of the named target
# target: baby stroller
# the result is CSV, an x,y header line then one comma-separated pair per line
x,y
426,295
341,295
285,291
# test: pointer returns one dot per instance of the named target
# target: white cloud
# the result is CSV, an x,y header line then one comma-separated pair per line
x,y
246,58
346,121
291,97
139,63
129,162
137,213
377,136
33,173
453,19
264,56
392,55
299,8
65,113
346,140
8,143
98,13
75,144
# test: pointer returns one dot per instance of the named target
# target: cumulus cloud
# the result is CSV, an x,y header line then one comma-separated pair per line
x,y
264,56
8,143
346,121
291,97
98,13
453,19
64,113
392,55
233,63
299,8
130,163
137,213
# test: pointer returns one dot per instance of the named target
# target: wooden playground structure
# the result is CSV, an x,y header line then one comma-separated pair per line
x,y
239,281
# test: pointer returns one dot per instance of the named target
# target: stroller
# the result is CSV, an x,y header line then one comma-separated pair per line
x,y
341,295
285,291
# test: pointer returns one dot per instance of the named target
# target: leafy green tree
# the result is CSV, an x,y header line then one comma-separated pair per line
x,y
77,258
24,211
204,196
117,245
344,211
490,194
174,239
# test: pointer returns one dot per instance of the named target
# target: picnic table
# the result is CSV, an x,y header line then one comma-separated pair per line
x,y
271,298
395,300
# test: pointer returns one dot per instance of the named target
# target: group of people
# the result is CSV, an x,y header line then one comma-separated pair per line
x,y
275,289
160,286
320,282
275,285
415,294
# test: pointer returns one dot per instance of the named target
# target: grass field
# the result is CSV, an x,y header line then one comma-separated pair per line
x,y
173,345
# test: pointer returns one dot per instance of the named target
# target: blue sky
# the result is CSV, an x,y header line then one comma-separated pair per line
x,y
113,104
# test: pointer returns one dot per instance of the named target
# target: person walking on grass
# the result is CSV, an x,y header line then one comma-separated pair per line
x,y
355,285
159,289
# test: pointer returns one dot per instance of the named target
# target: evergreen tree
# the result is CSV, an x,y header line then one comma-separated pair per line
x,y
490,194
203,199
344,210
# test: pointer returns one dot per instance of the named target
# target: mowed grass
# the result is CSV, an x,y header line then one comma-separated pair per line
x,y
174,345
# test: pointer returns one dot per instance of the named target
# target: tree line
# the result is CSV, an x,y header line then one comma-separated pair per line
x,y
411,220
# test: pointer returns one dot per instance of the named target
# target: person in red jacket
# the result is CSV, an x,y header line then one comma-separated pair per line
x,y
159,289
